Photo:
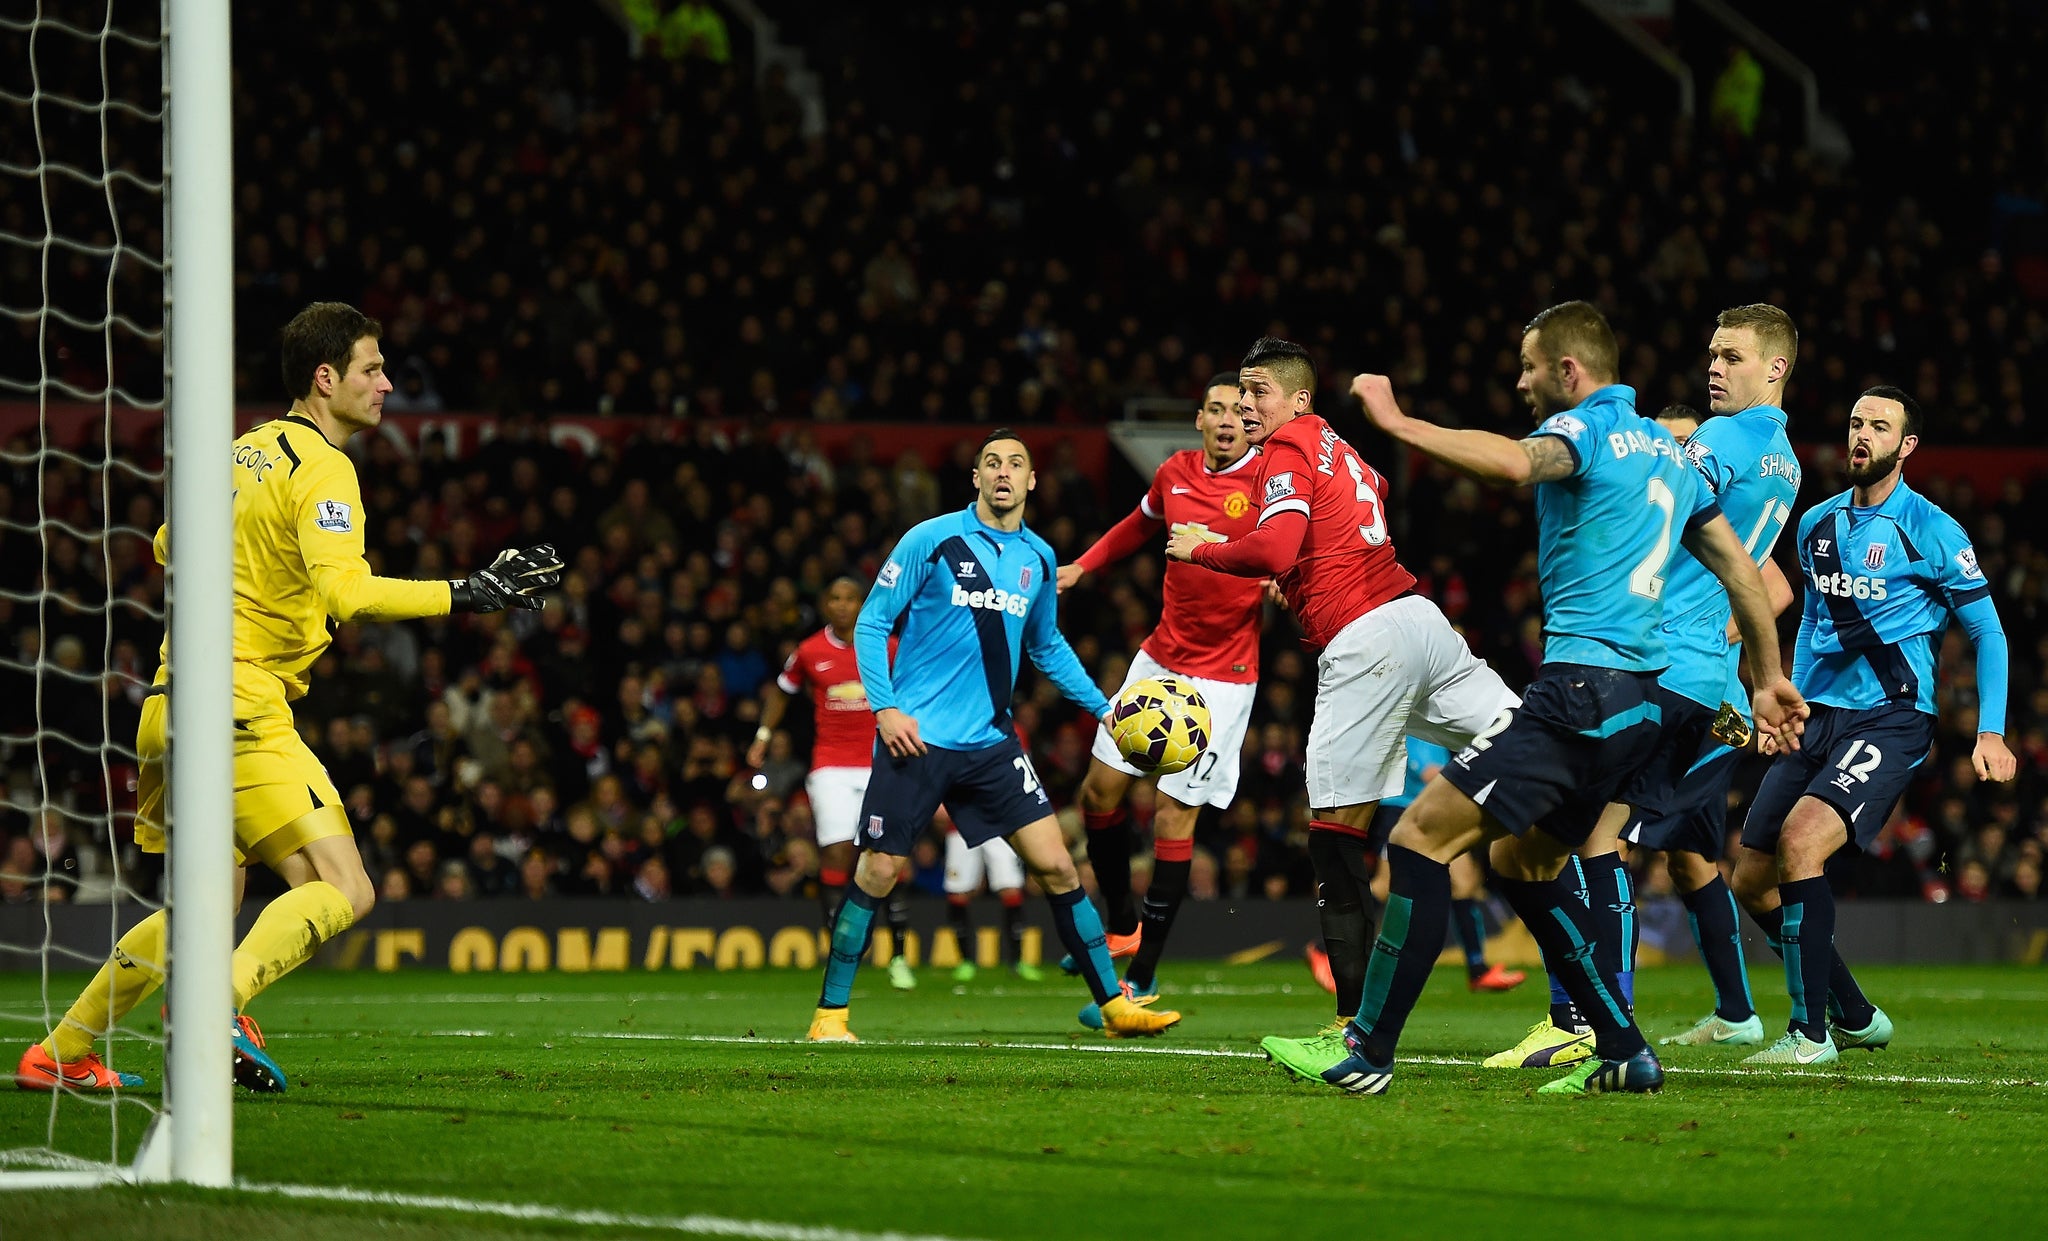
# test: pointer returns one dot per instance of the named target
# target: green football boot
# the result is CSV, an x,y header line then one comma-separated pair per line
x,y
1874,1037
1796,1050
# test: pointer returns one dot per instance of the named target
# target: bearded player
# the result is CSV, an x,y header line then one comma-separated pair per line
x,y
299,569
1208,634
1390,667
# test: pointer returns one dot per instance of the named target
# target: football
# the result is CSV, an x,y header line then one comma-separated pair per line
x,y
1160,725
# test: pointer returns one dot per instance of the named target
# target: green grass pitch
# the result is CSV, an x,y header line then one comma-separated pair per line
x,y
672,1102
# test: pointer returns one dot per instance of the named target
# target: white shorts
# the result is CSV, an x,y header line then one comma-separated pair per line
x,y
1210,780
1398,671
836,794
966,863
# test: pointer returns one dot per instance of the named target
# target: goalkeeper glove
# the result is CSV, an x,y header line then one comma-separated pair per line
x,y
514,580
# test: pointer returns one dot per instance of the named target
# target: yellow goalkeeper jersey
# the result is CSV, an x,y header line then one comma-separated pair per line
x,y
299,558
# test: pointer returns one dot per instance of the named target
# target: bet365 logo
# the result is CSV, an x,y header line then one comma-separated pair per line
x,y
1849,586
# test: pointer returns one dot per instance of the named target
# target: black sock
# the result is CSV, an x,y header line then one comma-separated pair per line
x,y
1611,898
899,918
1809,938
963,927
1854,1012
1163,896
1711,912
1564,929
1109,855
1469,919
1342,886
1013,929
1411,937
830,897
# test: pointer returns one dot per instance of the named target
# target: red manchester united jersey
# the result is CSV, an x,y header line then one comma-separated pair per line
x,y
1209,624
1346,566
846,728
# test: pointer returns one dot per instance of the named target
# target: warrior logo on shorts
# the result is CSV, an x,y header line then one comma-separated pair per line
x,y
875,826
1873,556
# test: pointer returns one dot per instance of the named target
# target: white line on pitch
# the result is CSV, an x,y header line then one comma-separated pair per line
x,y
1132,1049
695,1225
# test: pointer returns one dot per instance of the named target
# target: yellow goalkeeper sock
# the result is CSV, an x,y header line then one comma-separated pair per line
x,y
135,969
286,933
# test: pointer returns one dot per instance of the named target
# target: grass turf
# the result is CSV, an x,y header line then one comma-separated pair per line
x,y
662,1095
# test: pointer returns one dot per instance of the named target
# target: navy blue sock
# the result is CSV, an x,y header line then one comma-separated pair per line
x,y
1412,930
1851,1013
1710,912
1564,929
1570,882
1470,920
1808,934
899,918
1080,931
849,943
1610,895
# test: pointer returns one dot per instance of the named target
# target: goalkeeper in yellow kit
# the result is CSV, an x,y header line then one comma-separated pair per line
x,y
298,535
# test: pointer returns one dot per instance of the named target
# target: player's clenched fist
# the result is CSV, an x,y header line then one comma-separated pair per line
x,y
514,580
1376,393
1993,759
1781,715
1069,576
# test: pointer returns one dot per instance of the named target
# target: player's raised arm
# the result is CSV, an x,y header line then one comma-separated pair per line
x,y
1051,654
1713,542
1969,600
1544,457
329,514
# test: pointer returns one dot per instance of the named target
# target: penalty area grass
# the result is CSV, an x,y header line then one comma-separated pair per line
x,y
434,1105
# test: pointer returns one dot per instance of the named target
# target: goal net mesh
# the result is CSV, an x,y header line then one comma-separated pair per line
x,y
83,301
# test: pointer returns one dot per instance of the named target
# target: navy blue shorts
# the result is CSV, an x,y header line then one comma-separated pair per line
x,y
1695,819
989,793
1859,762
1382,826
1679,800
1579,737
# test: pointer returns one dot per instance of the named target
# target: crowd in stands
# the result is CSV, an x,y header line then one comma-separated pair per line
x,y
1017,214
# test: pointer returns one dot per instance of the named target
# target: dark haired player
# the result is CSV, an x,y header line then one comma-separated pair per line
x,y
1614,499
298,546
1208,634
969,593
1390,665
1885,572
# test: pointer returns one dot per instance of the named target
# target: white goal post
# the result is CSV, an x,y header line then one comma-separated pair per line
x,y
190,1138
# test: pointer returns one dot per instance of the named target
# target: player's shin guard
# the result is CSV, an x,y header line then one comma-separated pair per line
x,y
1412,935
1171,862
1808,934
1109,854
1563,928
849,944
1710,912
1468,918
1337,853
899,918
135,969
286,933
1080,931
1610,896
831,893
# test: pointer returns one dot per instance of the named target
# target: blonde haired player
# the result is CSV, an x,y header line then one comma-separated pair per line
x,y
298,537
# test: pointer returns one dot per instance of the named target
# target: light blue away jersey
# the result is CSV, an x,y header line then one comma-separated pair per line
x,y
970,599
1422,755
1606,534
1748,465
1881,584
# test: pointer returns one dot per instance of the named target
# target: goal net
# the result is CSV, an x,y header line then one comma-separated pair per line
x,y
85,353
